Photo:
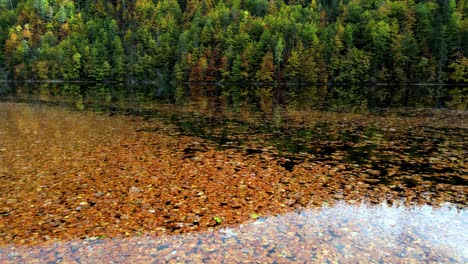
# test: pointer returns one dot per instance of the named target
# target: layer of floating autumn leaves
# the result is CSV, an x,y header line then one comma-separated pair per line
x,y
67,175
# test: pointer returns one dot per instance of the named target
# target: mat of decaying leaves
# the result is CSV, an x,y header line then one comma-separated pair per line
x,y
340,234
68,175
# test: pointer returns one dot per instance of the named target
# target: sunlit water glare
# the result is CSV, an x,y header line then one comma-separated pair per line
x,y
345,233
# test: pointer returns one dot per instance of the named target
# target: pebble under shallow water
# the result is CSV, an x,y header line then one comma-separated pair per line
x,y
341,233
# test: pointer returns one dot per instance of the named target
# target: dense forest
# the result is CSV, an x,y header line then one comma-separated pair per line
x,y
338,41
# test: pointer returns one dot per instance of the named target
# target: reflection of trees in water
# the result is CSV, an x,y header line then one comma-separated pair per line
x,y
265,98
5,89
309,97
180,94
459,98
100,96
348,98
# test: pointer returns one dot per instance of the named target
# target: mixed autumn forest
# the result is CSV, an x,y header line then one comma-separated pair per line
x,y
338,41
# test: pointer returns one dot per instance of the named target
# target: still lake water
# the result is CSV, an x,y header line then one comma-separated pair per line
x,y
340,234
393,190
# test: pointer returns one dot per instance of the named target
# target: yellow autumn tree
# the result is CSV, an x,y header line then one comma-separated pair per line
x,y
266,70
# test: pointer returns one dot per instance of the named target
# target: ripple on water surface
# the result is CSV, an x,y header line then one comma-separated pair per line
x,y
344,232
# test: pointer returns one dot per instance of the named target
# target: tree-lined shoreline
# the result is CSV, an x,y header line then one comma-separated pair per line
x,y
253,41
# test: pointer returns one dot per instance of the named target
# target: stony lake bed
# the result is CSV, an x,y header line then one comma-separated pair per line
x,y
207,182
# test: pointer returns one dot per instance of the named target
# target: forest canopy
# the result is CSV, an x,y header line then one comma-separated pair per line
x,y
347,41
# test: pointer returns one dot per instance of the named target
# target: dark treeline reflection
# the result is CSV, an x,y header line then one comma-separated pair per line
x,y
264,98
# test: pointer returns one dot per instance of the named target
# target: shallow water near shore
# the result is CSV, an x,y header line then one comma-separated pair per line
x,y
343,232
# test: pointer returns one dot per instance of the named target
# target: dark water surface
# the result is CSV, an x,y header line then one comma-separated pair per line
x,y
411,141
